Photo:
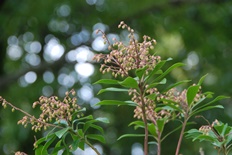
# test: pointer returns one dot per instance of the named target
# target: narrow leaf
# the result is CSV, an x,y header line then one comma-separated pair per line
x,y
97,137
39,141
112,89
107,81
163,81
103,119
204,109
47,144
137,124
57,148
130,135
211,102
129,82
156,69
61,132
116,102
169,70
201,80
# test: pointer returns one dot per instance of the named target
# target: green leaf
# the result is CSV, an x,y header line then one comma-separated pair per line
x,y
61,122
47,144
116,102
97,137
81,145
57,148
80,132
61,132
107,81
201,80
39,141
169,70
160,124
38,150
137,124
209,103
176,84
140,72
74,145
82,118
152,129
112,89
103,119
156,69
89,124
204,109
163,81
191,93
129,82
130,135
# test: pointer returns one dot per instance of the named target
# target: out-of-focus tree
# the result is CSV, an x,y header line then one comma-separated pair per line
x,y
47,48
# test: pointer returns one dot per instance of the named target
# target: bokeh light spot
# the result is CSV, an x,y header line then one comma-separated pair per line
x,y
84,69
30,77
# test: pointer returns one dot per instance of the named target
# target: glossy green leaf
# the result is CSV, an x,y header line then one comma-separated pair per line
x,y
47,144
97,137
82,118
169,70
201,80
115,102
160,124
103,119
112,89
129,82
153,85
61,122
137,124
191,93
74,145
130,135
80,132
39,141
61,132
218,98
156,69
152,129
90,124
57,147
38,150
205,109
107,81
81,145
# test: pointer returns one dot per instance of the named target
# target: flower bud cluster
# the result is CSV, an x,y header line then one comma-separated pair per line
x,y
148,103
4,102
20,153
205,129
180,98
149,106
52,109
124,58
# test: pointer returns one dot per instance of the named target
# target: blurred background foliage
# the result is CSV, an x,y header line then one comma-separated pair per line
x,y
46,48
